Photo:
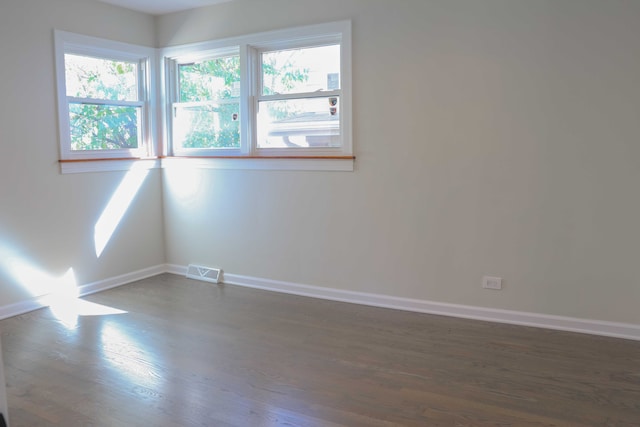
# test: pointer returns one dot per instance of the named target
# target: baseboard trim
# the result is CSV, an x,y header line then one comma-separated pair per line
x,y
84,290
562,323
114,282
180,270
21,307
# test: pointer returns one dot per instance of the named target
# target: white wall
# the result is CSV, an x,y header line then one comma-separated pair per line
x,y
494,137
47,219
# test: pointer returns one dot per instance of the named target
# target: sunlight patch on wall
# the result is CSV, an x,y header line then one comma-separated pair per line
x,y
117,208
60,294
37,281
184,182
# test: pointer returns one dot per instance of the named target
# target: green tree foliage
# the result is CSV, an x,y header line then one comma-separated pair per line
x,y
281,75
103,127
213,90
209,91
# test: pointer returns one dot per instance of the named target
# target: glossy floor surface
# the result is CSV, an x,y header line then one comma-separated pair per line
x,y
168,351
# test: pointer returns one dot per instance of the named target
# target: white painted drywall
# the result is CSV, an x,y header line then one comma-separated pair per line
x,y
47,219
4,409
493,137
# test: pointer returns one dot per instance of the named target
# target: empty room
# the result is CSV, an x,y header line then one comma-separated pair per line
x,y
320,213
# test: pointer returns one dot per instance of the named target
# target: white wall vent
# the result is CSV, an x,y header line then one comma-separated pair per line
x,y
206,274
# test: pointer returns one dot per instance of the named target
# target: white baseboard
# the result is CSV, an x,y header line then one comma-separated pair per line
x,y
19,308
562,323
103,285
87,289
180,270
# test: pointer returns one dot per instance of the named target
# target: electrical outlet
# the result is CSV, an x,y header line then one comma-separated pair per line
x,y
494,283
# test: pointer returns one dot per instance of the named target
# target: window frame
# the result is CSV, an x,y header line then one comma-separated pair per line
x,y
250,48
172,94
256,51
77,44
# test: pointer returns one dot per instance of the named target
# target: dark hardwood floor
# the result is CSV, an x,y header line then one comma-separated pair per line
x,y
188,353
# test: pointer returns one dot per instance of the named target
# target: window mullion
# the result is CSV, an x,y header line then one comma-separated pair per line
x,y
144,85
248,91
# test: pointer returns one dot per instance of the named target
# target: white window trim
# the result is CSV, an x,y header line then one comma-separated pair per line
x,y
66,42
250,46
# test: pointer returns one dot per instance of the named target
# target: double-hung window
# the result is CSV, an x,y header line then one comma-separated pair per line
x,y
205,112
103,98
298,104
278,94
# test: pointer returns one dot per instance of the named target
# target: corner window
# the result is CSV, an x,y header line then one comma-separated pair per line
x,y
280,95
103,98
277,94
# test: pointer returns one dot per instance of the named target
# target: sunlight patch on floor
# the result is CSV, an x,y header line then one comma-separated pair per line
x,y
68,310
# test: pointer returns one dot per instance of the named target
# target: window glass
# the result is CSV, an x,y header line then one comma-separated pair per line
x,y
207,125
100,92
99,78
301,70
207,111
209,80
104,127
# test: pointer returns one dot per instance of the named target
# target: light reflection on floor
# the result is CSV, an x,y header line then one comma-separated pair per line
x,y
129,357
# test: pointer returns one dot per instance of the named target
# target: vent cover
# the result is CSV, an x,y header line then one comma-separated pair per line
x,y
206,274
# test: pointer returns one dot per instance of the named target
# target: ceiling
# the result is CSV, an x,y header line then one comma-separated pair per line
x,y
159,7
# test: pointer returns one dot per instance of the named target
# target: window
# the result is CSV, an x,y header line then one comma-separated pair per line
x,y
206,111
298,105
103,98
277,94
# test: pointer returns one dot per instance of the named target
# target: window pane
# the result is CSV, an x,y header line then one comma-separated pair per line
x,y
207,126
301,70
217,78
308,122
98,78
104,127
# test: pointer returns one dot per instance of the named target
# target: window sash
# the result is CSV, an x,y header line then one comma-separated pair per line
x,y
179,149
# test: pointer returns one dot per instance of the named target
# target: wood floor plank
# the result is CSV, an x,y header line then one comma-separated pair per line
x,y
188,353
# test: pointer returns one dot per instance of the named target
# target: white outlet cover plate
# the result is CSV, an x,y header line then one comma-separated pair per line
x,y
490,282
